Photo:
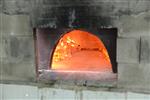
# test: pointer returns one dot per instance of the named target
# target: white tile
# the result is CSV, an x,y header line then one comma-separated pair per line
x,y
137,96
1,91
56,94
134,76
100,95
20,92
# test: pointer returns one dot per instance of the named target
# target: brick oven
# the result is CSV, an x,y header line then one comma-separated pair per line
x,y
79,54
123,31
86,46
55,22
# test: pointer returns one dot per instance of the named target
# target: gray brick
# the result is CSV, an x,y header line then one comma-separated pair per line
x,y
18,72
17,6
17,59
139,5
128,50
134,25
134,76
145,50
15,25
17,49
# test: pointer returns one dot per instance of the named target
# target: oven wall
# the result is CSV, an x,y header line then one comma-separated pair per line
x,y
131,18
26,92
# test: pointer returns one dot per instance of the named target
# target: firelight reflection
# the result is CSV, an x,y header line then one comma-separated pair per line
x,y
81,51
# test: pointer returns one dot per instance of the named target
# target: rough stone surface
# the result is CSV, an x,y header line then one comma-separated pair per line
x,y
15,25
52,13
127,50
134,25
134,76
102,13
18,49
16,6
145,50
97,13
17,59
18,72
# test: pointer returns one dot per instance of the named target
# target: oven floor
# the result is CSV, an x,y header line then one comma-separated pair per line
x,y
84,61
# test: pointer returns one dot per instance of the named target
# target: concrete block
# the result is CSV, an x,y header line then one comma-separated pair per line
x,y
145,50
20,92
15,25
17,49
133,25
134,76
101,95
17,59
56,94
18,72
137,96
16,7
137,6
128,50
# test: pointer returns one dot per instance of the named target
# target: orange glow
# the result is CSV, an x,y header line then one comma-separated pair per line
x,y
80,50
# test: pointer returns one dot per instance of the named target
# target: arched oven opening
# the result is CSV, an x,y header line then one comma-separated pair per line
x,y
76,54
79,50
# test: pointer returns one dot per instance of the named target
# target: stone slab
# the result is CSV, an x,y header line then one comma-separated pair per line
x,y
15,25
17,59
18,72
137,96
134,76
134,24
101,95
19,92
17,7
17,49
128,50
57,94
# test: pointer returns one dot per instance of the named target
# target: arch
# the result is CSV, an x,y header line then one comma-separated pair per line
x,y
80,50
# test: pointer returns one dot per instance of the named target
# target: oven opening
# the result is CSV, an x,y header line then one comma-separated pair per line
x,y
76,54
79,50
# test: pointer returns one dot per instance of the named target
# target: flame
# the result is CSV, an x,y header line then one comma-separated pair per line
x,y
79,50
64,44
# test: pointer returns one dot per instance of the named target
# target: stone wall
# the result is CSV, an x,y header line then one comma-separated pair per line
x,y
133,50
17,48
131,18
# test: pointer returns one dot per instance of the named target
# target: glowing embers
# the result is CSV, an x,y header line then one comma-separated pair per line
x,y
79,50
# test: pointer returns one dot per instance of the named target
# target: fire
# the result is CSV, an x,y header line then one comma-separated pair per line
x,y
79,50
61,51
